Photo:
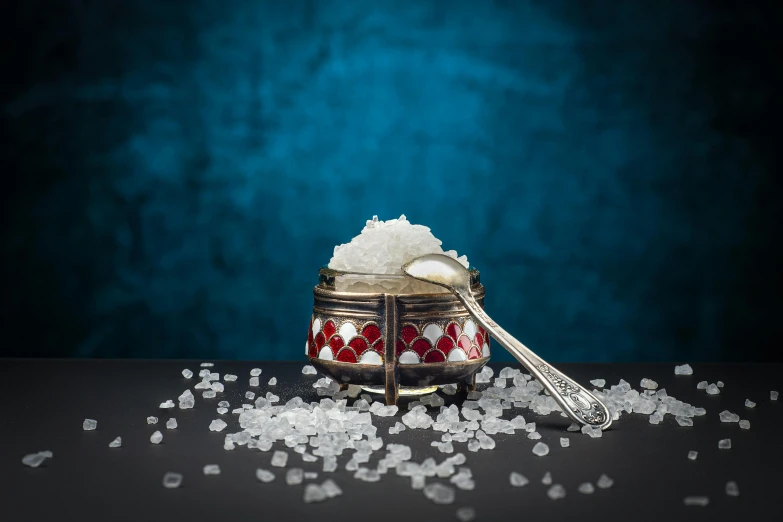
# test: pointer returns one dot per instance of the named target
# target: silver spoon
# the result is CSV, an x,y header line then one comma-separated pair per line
x,y
578,403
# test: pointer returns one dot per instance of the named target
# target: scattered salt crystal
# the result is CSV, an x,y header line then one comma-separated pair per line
x,y
250,395
116,443
683,421
556,492
439,493
598,383
586,488
702,385
211,469
306,457
540,449
773,395
203,373
222,411
595,432
294,476
696,501
273,381
330,464
331,488
223,404
466,514
152,420
564,442
573,427
533,435
217,387
692,455
724,444
279,459
264,475
156,437
648,384
172,480
732,489
604,482
518,479
547,479
449,389
713,389
209,394
310,475
720,384
187,373
314,493
171,424
309,370
36,459
217,425
255,372
727,416
684,369
254,382
207,365
229,377
228,445
168,404
89,424
749,403
744,424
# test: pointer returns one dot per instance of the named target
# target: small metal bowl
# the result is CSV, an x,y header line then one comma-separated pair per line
x,y
391,339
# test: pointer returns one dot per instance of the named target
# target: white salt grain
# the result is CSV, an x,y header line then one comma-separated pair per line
x,y
203,373
744,424
692,455
439,493
547,479
466,514
34,460
727,416
565,442
648,384
167,404
207,365
211,469
594,432
732,489
217,425
89,424
250,395
598,383
573,427
556,492
749,403
171,424
586,488
696,501
223,404
604,482
187,373
229,377
720,384
254,382
684,369
116,443
255,372
279,459
273,381
310,475
517,479
540,449
683,421
294,476
309,370
702,385
156,437
222,411
209,394
152,420
172,480
724,444
713,389
773,395
264,475
314,493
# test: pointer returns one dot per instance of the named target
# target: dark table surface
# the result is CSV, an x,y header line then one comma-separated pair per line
x,y
46,402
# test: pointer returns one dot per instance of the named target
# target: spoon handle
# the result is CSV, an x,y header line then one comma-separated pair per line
x,y
578,403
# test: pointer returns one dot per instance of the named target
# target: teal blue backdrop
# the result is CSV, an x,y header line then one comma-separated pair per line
x,y
175,173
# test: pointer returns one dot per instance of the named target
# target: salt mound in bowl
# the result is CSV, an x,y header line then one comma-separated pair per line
x,y
382,248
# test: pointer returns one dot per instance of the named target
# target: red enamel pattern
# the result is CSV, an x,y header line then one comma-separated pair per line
x,y
408,333
453,330
336,342
421,346
310,333
372,333
434,356
445,344
378,346
329,328
358,344
399,347
464,343
320,341
479,340
346,355
474,354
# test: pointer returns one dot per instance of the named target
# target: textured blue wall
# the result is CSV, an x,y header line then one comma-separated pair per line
x,y
182,169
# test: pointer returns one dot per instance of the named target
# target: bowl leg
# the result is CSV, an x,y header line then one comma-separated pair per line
x,y
468,385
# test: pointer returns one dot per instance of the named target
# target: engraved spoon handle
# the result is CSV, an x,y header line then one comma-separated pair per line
x,y
578,403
